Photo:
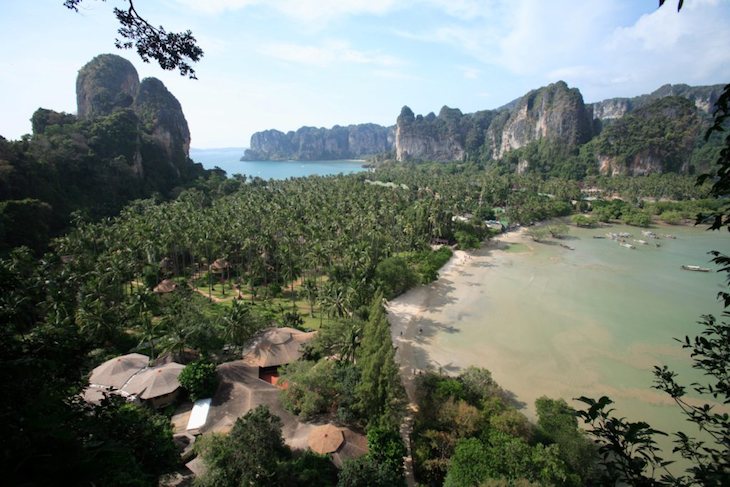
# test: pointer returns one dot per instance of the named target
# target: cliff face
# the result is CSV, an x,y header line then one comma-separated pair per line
x,y
555,113
540,131
105,83
441,138
657,132
107,86
310,143
164,122
703,98
661,136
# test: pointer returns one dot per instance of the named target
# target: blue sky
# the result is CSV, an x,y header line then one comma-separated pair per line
x,y
287,63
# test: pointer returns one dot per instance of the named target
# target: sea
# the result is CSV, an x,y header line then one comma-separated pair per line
x,y
589,320
228,159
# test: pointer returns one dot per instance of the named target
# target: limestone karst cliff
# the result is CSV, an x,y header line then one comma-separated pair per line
x,y
703,97
105,83
157,130
658,137
555,112
311,143
547,127
129,140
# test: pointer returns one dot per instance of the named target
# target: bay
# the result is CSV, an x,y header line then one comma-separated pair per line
x,y
546,320
228,159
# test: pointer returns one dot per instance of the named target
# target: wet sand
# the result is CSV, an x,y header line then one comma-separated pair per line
x,y
502,310
409,314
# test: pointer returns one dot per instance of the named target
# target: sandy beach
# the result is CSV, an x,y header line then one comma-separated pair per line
x,y
412,330
546,320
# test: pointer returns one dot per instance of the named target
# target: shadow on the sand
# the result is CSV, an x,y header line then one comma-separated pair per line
x,y
427,329
440,294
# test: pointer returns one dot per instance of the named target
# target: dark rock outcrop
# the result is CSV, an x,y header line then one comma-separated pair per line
x,y
311,143
104,84
163,121
108,86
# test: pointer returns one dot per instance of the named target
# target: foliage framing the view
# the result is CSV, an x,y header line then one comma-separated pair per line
x,y
171,50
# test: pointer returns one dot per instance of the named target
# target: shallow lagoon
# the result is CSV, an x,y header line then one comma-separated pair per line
x,y
550,321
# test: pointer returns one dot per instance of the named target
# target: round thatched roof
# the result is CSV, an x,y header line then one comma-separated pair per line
x,y
117,371
155,381
354,446
219,265
276,346
325,439
166,286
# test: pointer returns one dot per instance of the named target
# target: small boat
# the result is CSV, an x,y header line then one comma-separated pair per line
x,y
642,242
598,236
695,268
669,236
627,245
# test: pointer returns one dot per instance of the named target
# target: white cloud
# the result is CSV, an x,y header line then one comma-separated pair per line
x,y
326,10
581,43
304,10
395,75
665,46
327,54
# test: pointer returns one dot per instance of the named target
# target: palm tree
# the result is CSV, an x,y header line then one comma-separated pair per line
x,y
309,286
337,300
141,302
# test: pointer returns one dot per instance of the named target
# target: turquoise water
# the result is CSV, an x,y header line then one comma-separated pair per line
x,y
228,159
591,321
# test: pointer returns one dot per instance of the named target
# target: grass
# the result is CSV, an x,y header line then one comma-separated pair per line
x,y
274,307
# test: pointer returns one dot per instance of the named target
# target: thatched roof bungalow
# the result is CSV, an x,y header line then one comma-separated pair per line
x,y
219,265
341,443
130,376
275,347
164,287
117,371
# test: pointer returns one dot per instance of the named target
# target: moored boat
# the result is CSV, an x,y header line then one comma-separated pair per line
x,y
695,268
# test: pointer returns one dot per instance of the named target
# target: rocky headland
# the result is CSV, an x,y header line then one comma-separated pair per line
x,y
657,132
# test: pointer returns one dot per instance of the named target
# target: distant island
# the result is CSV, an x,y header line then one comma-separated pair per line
x,y
320,144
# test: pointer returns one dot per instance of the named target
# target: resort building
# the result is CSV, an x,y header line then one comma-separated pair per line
x,y
341,444
273,348
131,377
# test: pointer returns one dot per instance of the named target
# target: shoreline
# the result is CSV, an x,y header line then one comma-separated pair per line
x,y
415,352
574,353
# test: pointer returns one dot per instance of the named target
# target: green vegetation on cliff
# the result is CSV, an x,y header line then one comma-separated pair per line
x,y
130,141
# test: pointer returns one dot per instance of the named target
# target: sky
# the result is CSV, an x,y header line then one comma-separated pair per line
x,y
288,63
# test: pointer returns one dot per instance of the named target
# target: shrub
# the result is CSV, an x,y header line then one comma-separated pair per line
x,y
671,217
200,379
584,221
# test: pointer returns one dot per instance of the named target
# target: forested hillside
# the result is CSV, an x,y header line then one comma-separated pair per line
x,y
129,141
